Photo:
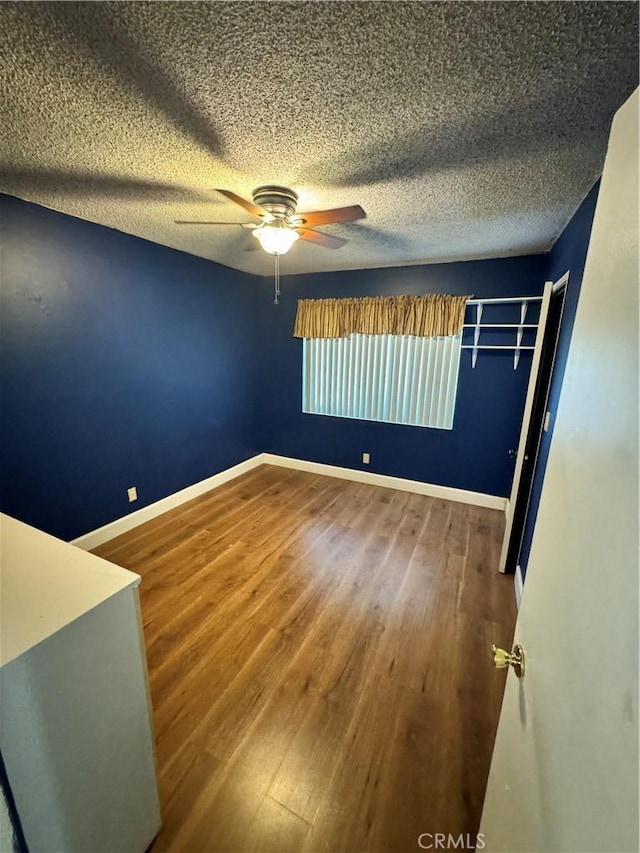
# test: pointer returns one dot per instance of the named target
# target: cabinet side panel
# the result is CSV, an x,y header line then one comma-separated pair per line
x,y
76,735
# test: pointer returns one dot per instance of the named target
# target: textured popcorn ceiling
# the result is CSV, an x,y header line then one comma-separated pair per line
x,y
465,130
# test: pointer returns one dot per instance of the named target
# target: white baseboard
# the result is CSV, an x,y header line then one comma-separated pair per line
x,y
417,487
518,584
128,522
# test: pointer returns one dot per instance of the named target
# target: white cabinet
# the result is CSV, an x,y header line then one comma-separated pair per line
x,y
75,726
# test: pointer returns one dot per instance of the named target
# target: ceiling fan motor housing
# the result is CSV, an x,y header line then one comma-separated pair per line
x,y
280,201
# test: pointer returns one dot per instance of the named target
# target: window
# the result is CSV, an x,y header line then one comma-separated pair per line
x,y
398,379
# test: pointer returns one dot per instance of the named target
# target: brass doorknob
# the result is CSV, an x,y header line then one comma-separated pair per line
x,y
501,659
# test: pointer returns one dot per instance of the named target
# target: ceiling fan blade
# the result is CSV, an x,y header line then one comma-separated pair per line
x,y
203,222
326,217
249,206
326,240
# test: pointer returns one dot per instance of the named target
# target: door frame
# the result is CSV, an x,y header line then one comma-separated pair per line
x,y
559,287
526,421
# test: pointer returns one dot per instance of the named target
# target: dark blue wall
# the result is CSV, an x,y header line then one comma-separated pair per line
x,y
127,363
123,363
568,253
474,455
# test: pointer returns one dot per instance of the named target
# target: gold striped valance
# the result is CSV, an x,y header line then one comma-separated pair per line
x,y
423,316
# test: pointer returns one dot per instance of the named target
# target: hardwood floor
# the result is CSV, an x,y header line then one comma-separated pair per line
x,y
319,663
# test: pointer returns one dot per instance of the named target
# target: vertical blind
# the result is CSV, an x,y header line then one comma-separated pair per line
x,y
394,378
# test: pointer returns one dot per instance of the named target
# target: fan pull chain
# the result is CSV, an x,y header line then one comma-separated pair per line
x,y
277,279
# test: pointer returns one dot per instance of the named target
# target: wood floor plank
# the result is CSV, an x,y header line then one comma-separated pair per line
x,y
277,830
318,662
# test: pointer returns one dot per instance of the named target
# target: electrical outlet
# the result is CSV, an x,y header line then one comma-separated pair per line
x,y
366,458
132,494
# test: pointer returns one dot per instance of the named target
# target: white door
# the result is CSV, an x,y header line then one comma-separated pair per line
x,y
564,774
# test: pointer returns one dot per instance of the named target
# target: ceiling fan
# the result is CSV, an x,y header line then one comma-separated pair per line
x,y
279,225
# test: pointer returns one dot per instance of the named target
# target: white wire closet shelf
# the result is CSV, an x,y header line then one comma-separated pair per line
x,y
477,306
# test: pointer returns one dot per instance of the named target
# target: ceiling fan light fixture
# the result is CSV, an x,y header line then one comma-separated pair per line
x,y
276,238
